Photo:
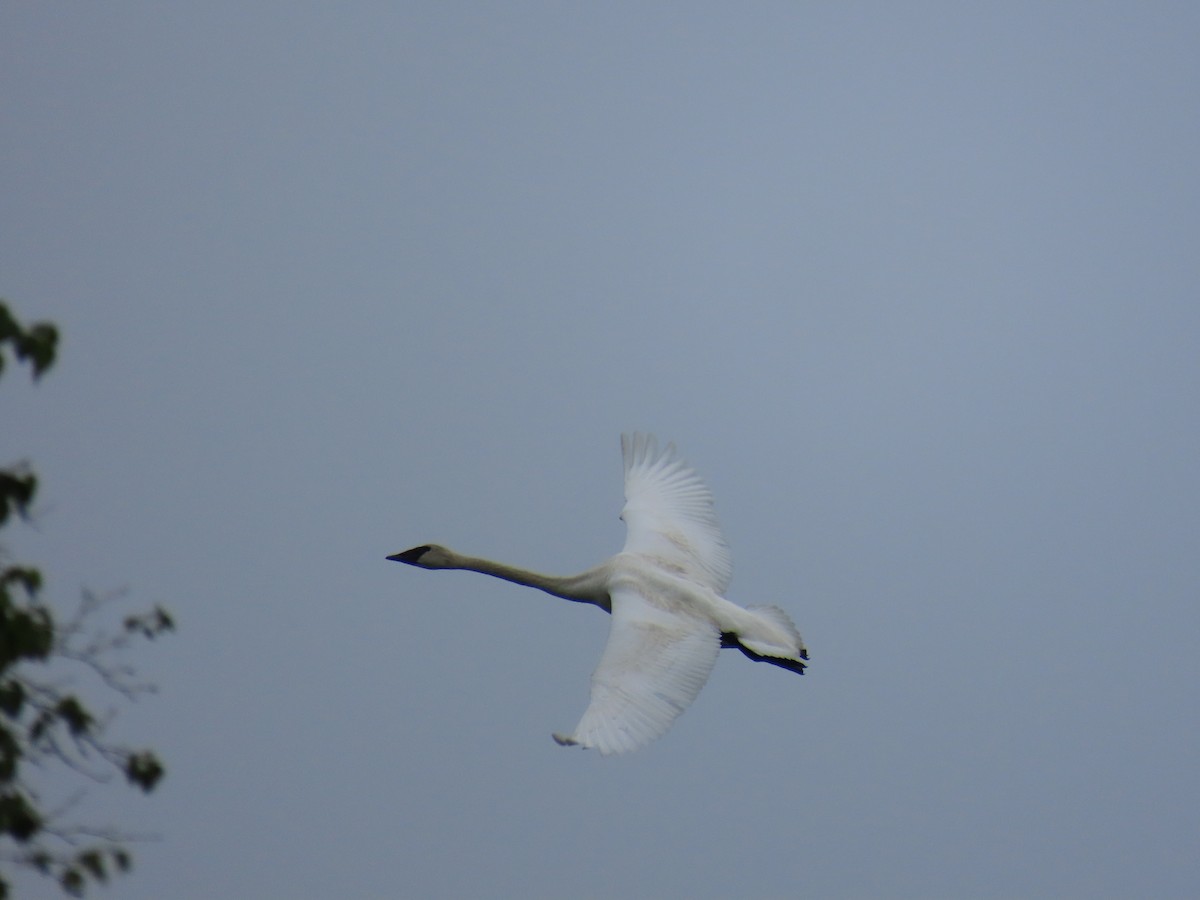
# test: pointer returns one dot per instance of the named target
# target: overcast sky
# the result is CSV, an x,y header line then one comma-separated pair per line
x,y
913,285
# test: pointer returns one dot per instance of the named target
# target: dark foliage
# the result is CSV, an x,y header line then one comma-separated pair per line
x,y
43,724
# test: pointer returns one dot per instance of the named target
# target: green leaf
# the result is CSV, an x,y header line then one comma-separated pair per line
x,y
40,347
17,817
25,633
38,344
40,726
94,863
12,697
10,755
79,720
8,325
72,882
17,489
151,624
144,770
29,579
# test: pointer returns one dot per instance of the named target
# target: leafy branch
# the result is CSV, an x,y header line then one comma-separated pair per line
x,y
44,723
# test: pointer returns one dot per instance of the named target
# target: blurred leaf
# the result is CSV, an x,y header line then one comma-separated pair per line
x,y
8,325
38,344
25,633
17,817
29,579
152,624
40,861
144,770
12,697
79,720
72,882
17,489
123,860
93,862
40,725
10,755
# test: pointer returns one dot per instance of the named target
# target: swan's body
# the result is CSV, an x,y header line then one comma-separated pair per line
x,y
664,590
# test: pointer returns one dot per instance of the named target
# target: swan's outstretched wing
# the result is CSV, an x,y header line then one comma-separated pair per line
x,y
669,514
652,668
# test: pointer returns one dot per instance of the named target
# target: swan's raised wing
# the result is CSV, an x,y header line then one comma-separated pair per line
x,y
669,514
652,668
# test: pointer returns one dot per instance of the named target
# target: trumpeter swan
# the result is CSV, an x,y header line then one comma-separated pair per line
x,y
664,590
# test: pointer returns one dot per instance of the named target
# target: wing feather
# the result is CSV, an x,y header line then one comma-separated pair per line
x,y
669,514
652,668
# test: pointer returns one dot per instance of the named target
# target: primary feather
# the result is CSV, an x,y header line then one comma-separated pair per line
x,y
669,514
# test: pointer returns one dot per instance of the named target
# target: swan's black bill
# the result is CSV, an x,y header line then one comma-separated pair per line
x,y
410,556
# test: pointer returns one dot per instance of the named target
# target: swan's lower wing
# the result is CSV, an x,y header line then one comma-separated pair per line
x,y
652,668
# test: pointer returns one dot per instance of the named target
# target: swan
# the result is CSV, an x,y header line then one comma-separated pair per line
x,y
665,593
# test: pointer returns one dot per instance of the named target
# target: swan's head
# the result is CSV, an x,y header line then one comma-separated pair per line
x,y
427,556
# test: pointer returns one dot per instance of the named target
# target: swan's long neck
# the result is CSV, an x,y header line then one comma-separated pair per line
x,y
586,587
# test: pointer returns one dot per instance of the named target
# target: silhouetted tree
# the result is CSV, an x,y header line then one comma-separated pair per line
x,y
43,723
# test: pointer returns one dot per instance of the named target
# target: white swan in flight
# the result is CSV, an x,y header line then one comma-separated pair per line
x,y
664,590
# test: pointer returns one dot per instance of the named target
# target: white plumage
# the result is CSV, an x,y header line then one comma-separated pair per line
x,y
653,666
664,590
669,514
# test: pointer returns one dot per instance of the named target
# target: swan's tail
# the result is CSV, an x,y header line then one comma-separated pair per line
x,y
776,640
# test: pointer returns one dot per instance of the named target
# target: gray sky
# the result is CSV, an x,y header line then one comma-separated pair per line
x,y
914,286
